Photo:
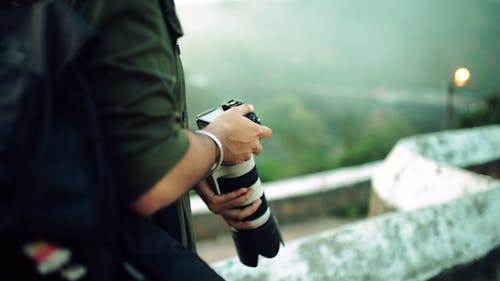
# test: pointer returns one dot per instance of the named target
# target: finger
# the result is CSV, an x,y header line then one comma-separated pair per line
x,y
241,199
225,198
250,209
247,156
243,109
228,206
220,204
258,149
217,203
206,192
240,214
265,133
239,224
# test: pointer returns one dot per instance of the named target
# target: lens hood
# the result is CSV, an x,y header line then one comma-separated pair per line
x,y
264,240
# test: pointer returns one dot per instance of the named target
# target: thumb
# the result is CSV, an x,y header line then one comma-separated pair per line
x,y
243,109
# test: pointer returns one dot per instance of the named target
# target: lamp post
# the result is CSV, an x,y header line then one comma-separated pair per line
x,y
460,78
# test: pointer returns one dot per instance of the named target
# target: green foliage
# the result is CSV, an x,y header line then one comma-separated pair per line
x,y
381,132
271,170
352,212
299,136
318,133
490,114
304,143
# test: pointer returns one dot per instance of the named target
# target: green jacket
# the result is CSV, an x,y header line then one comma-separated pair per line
x,y
137,80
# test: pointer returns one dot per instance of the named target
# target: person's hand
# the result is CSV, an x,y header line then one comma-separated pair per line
x,y
239,136
225,204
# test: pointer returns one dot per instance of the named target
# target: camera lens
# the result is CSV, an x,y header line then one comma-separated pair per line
x,y
264,237
245,175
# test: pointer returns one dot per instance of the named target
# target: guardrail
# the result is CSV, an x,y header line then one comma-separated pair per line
x,y
443,217
412,246
428,169
327,193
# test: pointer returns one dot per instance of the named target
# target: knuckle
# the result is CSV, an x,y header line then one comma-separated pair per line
x,y
217,199
233,205
258,150
231,214
260,130
242,199
241,216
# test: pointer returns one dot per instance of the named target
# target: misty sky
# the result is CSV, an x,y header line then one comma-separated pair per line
x,y
385,43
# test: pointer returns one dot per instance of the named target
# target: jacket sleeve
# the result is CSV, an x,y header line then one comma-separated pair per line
x,y
133,72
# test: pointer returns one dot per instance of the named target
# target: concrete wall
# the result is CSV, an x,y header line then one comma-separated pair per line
x,y
445,218
428,169
415,245
330,193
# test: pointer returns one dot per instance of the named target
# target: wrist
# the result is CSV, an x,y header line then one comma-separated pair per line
x,y
219,155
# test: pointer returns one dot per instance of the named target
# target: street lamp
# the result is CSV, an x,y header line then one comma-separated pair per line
x,y
460,78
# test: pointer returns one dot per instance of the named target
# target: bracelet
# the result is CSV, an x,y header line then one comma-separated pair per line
x,y
219,148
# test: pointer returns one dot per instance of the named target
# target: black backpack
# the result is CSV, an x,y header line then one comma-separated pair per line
x,y
56,195
58,218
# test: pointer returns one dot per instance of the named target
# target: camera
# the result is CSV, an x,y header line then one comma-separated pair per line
x,y
264,237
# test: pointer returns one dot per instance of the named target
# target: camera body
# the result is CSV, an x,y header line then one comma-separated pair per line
x,y
264,237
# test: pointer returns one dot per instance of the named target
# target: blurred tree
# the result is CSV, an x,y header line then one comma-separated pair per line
x,y
381,131
490,114
300,136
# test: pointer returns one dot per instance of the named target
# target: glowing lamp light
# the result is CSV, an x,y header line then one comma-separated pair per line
x,y
461,76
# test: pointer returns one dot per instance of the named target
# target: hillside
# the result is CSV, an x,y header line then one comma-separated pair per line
x,y
338,81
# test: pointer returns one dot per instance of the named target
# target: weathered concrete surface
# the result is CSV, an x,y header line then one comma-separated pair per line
x,y
426,170
413,245
459,224
351,201
306,185
332,193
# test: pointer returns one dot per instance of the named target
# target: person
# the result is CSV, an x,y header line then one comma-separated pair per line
x,y
136,77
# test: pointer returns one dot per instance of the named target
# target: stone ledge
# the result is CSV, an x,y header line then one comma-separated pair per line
x,y
414,245
339,202
427,169
330,193
306,185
